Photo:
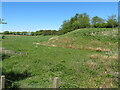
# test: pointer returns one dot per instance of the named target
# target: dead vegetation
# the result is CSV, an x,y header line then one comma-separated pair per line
x,y
104,57
99,49
91,64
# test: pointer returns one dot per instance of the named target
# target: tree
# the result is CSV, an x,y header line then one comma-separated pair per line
x,y
112,21
6,32
2,21
24,33
66,27
14,33
76,22
84,20
18,33
97,22
39,32
3,37
33,33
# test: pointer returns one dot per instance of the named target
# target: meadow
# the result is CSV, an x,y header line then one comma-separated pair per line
x,y
84,58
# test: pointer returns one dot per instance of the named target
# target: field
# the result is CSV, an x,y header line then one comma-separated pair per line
x,y
85,58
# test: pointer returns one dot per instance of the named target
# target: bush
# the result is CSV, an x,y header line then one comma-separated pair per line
x,y
3,37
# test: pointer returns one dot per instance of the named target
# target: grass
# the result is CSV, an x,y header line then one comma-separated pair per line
x,y
78,58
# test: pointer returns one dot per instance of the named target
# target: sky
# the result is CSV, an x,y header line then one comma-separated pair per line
x,y
60,0
33,16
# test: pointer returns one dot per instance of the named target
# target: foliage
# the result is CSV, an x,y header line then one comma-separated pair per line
x,y
83,21
76,22
98,22
40,32
6,32
2,21
112,21
3,37
47,32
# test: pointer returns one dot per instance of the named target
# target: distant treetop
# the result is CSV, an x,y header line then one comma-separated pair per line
x,y
2,21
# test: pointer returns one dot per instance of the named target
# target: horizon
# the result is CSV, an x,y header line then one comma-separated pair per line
x,y
34,16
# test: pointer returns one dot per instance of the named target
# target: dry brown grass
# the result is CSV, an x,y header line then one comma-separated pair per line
x,y
53,38
109,58
103,58
114,57
94,56
108,83
91,64
97,49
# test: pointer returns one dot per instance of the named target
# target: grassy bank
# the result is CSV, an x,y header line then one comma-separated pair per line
x,y
85,58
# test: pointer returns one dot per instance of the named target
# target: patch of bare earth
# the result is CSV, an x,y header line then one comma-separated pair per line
x,y
5,51
2,50
104,57
99,49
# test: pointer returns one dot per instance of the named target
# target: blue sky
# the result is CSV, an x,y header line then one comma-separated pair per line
x,y
60,0
32,16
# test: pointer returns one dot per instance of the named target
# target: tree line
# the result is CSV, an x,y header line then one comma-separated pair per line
x,y
83,21
76,22
40,32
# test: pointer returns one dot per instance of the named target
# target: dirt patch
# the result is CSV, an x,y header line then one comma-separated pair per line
x,y
10,52
104,57
3,50
94,56
97,49
53,38
75,47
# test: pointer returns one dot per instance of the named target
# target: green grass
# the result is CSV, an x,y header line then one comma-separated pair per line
x,y
34,65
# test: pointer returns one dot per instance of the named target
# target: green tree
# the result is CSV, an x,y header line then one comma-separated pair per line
x,y
14,33
84,20
24,33
112,21
97,22
6,32
33,33
18,33
2,21
66,27
76,22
